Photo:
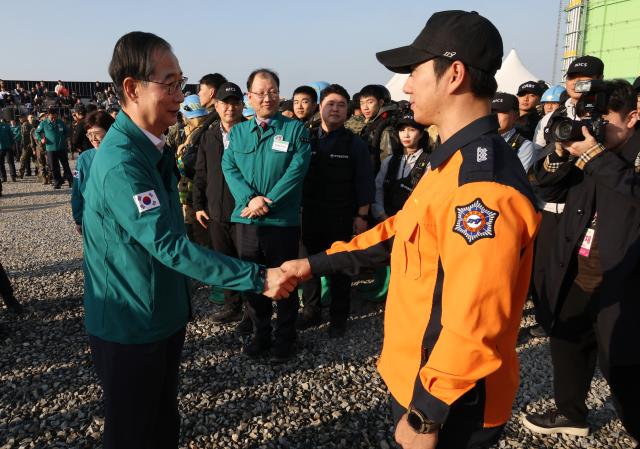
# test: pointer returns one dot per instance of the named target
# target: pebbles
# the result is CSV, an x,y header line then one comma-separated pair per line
x,y
330,396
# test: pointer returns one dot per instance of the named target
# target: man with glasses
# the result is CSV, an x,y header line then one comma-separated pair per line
x,y
265,165
137,258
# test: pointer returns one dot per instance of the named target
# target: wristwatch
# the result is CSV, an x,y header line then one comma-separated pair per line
x,y
420,423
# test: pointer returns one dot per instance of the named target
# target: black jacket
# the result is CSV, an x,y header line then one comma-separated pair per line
x,y
79,139
611,185
210,190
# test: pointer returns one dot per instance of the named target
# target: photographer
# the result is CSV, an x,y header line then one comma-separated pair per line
x,y
581,69
593,264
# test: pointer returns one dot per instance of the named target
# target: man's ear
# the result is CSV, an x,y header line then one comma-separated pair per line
x,y
632,118
457,75
130,86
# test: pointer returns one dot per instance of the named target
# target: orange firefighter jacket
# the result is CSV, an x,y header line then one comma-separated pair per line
x,y
460,252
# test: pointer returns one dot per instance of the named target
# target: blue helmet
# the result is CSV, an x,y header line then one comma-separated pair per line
x,y
552,94
191,107
318,86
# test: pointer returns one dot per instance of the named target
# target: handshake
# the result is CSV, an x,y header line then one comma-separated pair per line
x,y
280,282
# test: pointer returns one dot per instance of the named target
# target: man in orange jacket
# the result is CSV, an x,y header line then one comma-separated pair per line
x,y
460,249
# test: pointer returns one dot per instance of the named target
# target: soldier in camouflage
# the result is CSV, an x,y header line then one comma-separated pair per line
x,y
41,155
27,146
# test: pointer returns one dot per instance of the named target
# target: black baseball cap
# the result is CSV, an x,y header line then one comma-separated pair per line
x,y
636,85
408,120
456,35
532,87
586,65
504,102
228,90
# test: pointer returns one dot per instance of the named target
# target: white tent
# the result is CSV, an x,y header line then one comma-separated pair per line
x,y
513,73
509,77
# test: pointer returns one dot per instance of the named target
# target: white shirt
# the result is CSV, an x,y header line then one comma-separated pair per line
x,y
407,163
225,137
157,142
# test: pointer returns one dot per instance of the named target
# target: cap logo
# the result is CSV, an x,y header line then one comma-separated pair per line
x,y
230,89
581,64
449,54
497,100
529,85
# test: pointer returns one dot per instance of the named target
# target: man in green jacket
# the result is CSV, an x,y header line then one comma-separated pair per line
x,y
265,165
137,258
7,143
52,133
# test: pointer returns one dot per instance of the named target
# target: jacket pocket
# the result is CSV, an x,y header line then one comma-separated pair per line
x,y
408,235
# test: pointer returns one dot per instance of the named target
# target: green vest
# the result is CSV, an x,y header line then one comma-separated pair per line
x,y
137,258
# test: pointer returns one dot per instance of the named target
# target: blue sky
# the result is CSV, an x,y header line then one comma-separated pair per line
x,y
303,41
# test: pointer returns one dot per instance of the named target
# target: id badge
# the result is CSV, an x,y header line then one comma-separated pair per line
x,y
281,145
585,247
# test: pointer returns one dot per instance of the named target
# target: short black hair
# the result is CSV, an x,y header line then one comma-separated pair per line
x,y
214,80
372,90
263,71
622,96
307,90
483,84
334,89
99,118
133,57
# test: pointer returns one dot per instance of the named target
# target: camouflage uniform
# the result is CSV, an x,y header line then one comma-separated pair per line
x,y
27,149
41,156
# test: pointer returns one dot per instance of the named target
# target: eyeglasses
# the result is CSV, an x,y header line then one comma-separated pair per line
x,y
95,135
270,94
173,86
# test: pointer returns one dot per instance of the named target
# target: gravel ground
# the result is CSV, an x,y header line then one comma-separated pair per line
x,y
330,396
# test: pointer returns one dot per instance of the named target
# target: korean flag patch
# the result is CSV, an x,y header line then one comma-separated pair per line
x,y
475,221
146,200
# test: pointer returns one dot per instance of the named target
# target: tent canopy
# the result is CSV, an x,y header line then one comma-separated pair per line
x,y
512,73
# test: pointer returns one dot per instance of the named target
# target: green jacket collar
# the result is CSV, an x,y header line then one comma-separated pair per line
x,y
125,125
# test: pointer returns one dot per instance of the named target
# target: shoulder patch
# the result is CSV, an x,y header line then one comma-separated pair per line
x,y
146,200
475,221
478,160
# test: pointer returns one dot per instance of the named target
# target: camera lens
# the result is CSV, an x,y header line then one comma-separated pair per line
x,y
562,130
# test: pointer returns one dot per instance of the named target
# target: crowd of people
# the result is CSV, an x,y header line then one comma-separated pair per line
x,y
477,200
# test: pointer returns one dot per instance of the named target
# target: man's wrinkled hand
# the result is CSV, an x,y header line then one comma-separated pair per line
x,y
410,439
579,147
300,268
279,284
257,207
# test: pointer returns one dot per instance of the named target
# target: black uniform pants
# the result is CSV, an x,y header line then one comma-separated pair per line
x,y
575,348
8,156
140,384
223,240
54,160
270,246
463,428
318,236
6,290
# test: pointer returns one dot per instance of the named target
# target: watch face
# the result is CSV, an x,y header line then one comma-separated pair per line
x,y
414,421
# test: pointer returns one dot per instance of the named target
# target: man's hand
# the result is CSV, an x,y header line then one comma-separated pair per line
x,y
202,218
79,229
300,268
410,439
579,147
359,225
278,284
43,140
257,207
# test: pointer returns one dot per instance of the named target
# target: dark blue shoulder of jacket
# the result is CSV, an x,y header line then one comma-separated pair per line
x,y
490,158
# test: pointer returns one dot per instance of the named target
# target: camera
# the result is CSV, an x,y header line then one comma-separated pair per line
x,y
591,106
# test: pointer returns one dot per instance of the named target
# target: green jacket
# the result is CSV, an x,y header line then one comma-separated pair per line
x,y
273,164
81,176
6,136
54,133
136,254
16,133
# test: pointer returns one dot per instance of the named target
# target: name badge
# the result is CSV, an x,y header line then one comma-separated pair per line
x,y
585,247
279,144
